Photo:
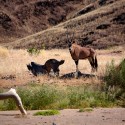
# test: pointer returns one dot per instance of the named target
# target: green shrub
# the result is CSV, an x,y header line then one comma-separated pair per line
x,y
53,97
115,76
115,82
88,96
33,51
9,104
45,96
47,113
85,109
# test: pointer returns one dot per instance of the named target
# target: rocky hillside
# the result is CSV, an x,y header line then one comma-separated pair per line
x,y
38,23
20,18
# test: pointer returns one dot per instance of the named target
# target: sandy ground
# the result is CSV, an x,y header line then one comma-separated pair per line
x,y
99,116
16,74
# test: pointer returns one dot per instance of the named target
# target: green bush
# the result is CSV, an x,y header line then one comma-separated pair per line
x,y
115,81
33,51
9,104
115,76
54,97
45,96
85,110
47,112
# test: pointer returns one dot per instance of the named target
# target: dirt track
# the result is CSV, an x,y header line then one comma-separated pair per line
x,y
99,116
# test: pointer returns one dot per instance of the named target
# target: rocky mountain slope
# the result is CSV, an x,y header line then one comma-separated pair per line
x,y
44,23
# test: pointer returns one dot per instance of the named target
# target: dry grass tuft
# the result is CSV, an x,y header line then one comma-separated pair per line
x,y
3,52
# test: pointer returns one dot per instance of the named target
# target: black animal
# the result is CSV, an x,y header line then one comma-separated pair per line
x,y
50,66
36,69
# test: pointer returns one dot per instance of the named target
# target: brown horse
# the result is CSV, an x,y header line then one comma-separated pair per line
x,y
79,53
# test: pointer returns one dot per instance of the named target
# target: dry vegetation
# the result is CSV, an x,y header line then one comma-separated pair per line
x,y
13,70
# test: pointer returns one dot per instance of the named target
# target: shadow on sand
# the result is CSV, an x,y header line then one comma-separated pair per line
x,y
80,75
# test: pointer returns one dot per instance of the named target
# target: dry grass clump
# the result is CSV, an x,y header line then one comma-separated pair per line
x,y
3,52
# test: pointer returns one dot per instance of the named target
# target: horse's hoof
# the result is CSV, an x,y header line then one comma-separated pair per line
x,y
76,75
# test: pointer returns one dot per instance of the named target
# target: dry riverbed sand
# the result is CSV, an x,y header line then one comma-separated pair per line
x,y
99,116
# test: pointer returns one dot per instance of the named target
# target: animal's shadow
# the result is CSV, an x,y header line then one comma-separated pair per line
x,y
38,69
80,75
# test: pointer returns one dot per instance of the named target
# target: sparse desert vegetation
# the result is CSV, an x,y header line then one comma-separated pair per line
x,y
36,31
44,92
47,113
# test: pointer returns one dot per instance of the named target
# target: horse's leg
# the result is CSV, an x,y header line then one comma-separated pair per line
x,y
52,73
77,70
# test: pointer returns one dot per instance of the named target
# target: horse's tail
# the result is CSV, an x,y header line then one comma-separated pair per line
x,y
96,63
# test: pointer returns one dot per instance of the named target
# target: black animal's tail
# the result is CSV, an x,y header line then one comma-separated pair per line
x,y
61,62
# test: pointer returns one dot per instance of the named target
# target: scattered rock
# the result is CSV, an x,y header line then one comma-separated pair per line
x,y
90,33
117,52
104,2
103,26
120,19
5,20
86,41
85,10
7,77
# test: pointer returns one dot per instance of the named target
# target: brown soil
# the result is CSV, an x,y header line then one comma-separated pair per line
x,y
99,116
